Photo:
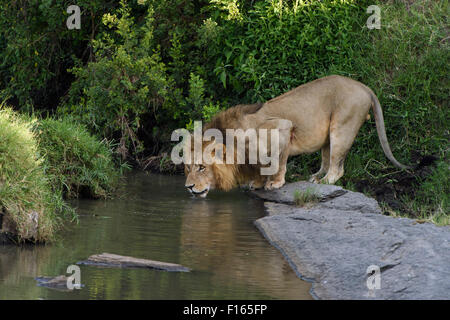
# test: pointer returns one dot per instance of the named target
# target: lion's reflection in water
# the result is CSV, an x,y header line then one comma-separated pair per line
x,y
219,237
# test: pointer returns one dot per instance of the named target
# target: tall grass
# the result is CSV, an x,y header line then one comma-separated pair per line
x,y
24,187
44,161
76,162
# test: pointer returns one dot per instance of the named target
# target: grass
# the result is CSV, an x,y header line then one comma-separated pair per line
x,y
306,198
44,161
76,161
24,187
431,202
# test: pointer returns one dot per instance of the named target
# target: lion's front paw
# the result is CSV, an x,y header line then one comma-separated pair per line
x,y
314,179
270,185
256,184
245,187
251,185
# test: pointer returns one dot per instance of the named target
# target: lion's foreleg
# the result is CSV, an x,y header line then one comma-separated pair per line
x,y
278,180
284,131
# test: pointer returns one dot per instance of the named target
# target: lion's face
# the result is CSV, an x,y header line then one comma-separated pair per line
x,y
199,179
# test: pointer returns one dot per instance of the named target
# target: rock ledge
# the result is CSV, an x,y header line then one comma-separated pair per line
x,y
334,242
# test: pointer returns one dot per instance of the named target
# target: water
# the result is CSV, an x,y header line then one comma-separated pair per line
x,y
157,219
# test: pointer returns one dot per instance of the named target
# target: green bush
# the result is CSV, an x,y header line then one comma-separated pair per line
x,y
154,66
129,84
75,161
126,81
24,186
36,48
275,46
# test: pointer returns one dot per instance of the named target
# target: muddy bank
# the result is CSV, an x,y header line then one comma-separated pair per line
x,y
334,242
392,187
9,233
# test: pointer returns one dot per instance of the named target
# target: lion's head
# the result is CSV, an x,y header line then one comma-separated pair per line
x,y
201,178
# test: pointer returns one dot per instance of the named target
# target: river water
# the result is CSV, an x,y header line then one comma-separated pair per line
x,y
155,218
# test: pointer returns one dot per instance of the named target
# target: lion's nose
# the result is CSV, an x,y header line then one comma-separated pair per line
x,y
190,186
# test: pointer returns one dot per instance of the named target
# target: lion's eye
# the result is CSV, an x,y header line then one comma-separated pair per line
x,y
201,168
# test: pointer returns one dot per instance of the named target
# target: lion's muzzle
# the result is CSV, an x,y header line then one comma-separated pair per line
x,y
195,192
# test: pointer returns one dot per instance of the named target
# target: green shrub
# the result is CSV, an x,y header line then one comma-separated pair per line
x,y
129,85
75,161
145,68
24,186
275,46
126,81
36,48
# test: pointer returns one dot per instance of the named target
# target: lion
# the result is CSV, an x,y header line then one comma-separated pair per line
x,y
325,114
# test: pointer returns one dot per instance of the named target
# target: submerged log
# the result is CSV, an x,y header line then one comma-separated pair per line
x,y
114,260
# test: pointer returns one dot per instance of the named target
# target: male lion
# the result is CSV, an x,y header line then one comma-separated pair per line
x,y
324,114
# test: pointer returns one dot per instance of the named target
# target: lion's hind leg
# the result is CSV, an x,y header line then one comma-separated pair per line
x,y
343,131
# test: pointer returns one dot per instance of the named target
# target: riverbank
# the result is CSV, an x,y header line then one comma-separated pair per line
x,y
334,241
43,162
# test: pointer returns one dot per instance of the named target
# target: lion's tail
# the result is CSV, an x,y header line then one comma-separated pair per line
x,y
381,130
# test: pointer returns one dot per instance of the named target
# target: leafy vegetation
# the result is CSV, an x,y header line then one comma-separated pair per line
x,y
76,162
24,186
44,161
36,48
139,69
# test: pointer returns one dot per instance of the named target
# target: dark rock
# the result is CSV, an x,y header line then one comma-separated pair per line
x,y
114,260
57,283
